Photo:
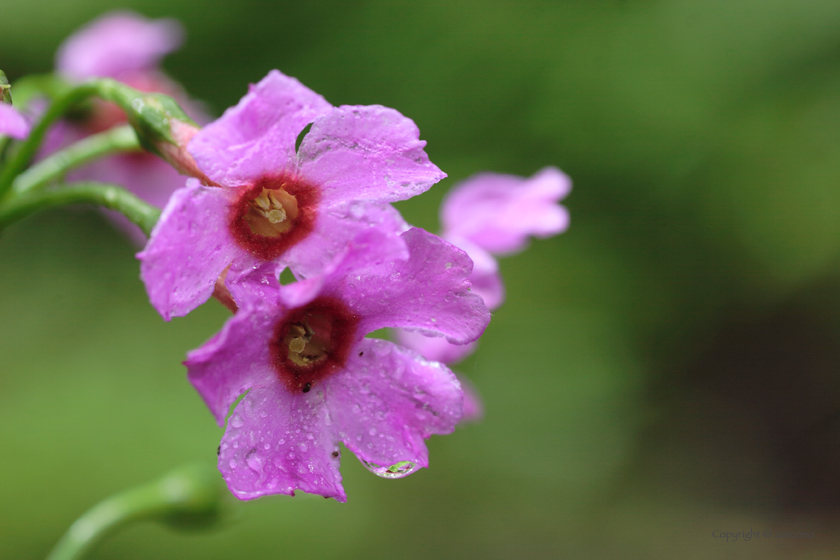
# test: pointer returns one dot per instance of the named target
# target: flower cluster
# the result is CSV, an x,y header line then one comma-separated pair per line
x,y
285,180
298,352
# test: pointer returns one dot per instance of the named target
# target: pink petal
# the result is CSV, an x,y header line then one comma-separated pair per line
x,y
498,212
13,123
366,153
485,278
427,292
473,407
434,348
334,229
388,400
234,360
117,43
258,135
277,441
189,248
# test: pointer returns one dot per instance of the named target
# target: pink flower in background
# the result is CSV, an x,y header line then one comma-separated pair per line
x,y
120,45
275,205
485,215
13,123
313,380
126,47
495,214
500,212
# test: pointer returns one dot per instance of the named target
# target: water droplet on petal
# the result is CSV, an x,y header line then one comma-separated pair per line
x,y
254,462
397,470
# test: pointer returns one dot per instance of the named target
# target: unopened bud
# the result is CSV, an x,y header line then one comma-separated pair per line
x,y
161,125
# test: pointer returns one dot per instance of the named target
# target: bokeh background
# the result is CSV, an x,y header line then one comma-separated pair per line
x,y
667,368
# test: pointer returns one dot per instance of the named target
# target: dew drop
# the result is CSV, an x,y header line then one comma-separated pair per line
x,y
254,462
397,470
236,422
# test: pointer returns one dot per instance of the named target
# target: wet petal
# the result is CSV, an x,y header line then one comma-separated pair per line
x,y
235,360
189,248
366,153
498,212
335,228
117,43
277,442
427,292
258,135
388,400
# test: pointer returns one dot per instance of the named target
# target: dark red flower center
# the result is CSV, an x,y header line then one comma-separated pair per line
x,y
313,342
273,214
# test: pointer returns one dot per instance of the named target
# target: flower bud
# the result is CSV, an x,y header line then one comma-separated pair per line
x,y
161,124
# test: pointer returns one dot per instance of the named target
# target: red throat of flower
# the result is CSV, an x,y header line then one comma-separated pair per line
x,y
272,215
313,342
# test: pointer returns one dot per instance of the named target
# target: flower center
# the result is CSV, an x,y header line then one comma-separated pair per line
x,y
273,214
312,342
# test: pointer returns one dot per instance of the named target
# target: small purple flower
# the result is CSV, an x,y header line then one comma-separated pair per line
x,y
313,380
12,122
277,206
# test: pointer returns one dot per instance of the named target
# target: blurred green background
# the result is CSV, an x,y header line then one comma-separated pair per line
x,y
667,368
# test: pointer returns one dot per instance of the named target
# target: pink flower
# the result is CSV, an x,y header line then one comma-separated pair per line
x,y
12,122
494,214
499,212
126,47
275,205
119,45
491,214
313,380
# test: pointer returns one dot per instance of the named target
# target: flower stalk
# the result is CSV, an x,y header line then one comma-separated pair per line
x,y
116,140
29,147
190,496
109,196
160,124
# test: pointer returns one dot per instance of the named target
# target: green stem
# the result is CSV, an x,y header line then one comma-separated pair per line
x,y
29,147
117,139
189,496
110,196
